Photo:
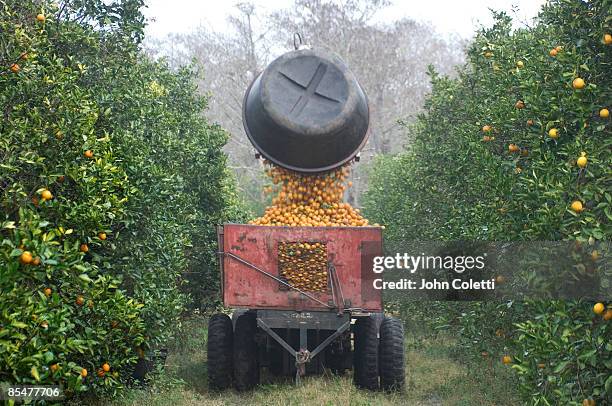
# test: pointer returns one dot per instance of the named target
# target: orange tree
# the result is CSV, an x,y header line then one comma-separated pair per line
x,y
111,182
518,148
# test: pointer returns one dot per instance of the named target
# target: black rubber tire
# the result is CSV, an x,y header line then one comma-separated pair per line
x,y
391,355
246,366
220,349
365,357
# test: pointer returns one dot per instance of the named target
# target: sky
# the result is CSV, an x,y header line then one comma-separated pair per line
x,y
449,17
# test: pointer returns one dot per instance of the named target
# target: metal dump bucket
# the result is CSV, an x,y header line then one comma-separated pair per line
x,y
306,112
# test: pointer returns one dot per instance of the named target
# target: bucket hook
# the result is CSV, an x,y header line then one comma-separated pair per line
x,y
298,43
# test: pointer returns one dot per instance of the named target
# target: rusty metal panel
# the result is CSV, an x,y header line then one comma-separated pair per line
x,y
244,287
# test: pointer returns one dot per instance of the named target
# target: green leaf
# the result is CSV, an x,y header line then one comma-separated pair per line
x,y
34,373
84,277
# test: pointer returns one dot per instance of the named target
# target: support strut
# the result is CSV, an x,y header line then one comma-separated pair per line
x,y
303,356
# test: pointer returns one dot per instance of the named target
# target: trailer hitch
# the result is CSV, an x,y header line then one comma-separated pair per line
x,y
302,356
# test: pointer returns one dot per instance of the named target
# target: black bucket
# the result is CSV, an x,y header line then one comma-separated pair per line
x,y
306,112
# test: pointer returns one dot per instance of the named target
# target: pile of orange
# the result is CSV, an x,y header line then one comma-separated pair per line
x,y
309,200
303,265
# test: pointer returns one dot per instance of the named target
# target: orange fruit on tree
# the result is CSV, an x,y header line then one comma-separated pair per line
x,y
41,17
604,113
577,206
582,161
44,325
520,64
499,279
599,308
46,195
24,56
513,148
541,366
36,261
553,133
54,367
486,128
26,257
102,236
486,138
80,300
519,104
506,359
105,367
607,39
530,122
15,68
608,315
83,372
578,83
488,54
100,373
553,52
84,248
558,48
88,153
47,292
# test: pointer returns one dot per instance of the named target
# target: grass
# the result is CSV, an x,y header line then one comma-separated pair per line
x,y
434,377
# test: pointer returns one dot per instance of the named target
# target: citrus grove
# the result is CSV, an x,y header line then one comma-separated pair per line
x,y
111,182
517,148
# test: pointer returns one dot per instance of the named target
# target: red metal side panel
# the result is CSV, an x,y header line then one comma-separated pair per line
x,y
246,288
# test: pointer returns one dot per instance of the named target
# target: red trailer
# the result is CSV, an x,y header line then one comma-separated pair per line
x,y
294,330
250,267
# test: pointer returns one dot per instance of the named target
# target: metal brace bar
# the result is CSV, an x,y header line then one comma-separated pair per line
x,y
331,283
242,261
275,336
337,296
303,338
329,339
339,287
292,351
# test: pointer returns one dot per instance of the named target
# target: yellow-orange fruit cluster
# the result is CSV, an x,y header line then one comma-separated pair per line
x,y
303,265
309,200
